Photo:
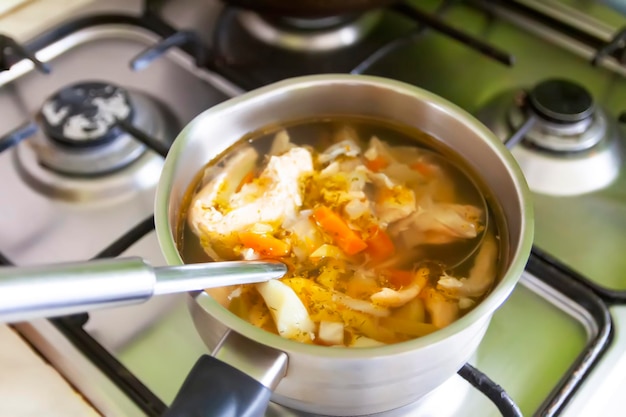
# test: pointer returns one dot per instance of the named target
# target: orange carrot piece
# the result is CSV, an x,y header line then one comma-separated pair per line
x,y
264,244
331,223
424,168
377,164
379,244
399,278
248,178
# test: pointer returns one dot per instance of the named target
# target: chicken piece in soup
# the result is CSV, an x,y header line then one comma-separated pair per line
x,y
367,221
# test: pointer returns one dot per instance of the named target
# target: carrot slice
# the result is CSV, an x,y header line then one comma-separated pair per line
x,y
399,278
377,164
379,244
245,180
264,244
331,223
424,168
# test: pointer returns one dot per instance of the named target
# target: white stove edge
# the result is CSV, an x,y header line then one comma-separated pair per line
x,y
602,391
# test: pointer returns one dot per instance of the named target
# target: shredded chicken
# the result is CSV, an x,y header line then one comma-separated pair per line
x,y
482,275
438,223
442,310
273,198
395,298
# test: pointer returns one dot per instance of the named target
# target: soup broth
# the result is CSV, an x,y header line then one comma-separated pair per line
x,y
371,222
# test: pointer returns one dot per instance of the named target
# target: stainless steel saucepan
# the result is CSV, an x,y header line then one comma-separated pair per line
x,y
249,365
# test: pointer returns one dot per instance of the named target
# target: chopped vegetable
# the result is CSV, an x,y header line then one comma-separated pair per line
x,y
425,168
388,297
290,315
379,244
414,310
331,332
264,244
399,278
347,239
327,251
245,180
408,327
442,310
364,342
376,164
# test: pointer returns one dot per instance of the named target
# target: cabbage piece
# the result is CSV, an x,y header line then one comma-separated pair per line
x,y
281,143
394,204
378,149
305,236
327,251
347,148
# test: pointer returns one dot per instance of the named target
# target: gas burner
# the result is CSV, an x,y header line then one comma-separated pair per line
x,y
569,144
84,114
309,34
567,119
80,122
82,153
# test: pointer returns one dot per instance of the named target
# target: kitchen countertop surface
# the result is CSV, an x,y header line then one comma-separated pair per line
x,y
30,387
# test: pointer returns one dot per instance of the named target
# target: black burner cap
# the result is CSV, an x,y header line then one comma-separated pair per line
x,y
85,114
561,101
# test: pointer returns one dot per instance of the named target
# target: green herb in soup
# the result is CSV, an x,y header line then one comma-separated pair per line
x,y
365,220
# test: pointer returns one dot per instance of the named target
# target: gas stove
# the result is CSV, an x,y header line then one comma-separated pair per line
x,y
90,107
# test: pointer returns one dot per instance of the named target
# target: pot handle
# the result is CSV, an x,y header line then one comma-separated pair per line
x,y
215,388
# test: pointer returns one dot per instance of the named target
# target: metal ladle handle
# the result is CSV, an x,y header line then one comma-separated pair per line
x,y
70,288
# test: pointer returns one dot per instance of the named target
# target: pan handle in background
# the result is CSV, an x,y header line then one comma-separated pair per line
x,y
237,381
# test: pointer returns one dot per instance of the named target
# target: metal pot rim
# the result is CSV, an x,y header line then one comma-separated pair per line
x,y
486,308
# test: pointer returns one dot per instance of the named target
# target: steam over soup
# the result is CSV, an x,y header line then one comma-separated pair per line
x,y
368,221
